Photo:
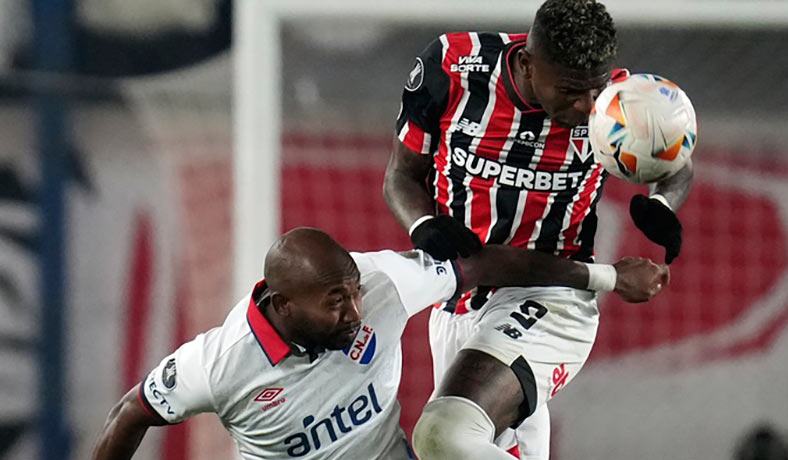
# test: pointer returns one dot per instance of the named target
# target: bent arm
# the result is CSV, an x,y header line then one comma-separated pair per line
x,y
405,185
125,427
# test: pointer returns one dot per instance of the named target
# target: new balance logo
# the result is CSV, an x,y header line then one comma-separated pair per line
x,y
469,127
509,330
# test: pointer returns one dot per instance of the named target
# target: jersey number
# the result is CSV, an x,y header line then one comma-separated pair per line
x,y
532,311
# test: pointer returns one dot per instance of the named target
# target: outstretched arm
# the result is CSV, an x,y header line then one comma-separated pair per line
x,y
634,279
126,425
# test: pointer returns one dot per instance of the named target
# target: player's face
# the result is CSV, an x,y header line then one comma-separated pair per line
x,y
566,95
328,313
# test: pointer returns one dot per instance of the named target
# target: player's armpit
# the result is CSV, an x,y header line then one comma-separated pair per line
x,y
125,427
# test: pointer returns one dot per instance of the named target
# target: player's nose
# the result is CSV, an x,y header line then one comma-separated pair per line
x,y
352,313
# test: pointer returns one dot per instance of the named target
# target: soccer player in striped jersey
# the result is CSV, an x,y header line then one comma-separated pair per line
x,y
492,147
308,364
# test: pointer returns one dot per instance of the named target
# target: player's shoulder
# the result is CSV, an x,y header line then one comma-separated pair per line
x,y
476,41
232,337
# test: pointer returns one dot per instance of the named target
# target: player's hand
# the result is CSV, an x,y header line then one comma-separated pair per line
x,y
658,223
639,279
444,237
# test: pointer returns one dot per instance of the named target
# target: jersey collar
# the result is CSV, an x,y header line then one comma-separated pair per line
x,y
270,341
508,78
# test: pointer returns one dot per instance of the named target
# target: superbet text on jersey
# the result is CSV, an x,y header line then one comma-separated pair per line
x,y
281,402
501,165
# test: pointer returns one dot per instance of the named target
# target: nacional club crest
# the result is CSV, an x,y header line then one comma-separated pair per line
x,y
363,348
580,143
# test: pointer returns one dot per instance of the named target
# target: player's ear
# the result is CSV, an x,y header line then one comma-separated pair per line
x,y
280,303
524,59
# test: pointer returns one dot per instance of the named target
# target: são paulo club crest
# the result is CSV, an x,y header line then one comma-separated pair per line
x,y
363,348
580,143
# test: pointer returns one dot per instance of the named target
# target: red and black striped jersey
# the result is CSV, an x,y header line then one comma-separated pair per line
x,y
500,165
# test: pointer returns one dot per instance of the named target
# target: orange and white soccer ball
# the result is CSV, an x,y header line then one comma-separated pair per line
x,y
643,129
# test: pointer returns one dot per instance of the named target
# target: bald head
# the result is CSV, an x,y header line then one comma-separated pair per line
x,y
306,257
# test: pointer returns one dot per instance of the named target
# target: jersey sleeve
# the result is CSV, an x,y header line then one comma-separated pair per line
x,y
178,387
424,100
419,279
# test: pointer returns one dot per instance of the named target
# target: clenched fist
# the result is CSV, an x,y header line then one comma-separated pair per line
x,y
639,279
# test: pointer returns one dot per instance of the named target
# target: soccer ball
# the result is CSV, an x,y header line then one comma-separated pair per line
x,y
642,129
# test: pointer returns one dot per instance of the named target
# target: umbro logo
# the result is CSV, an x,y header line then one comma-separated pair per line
x,y
270,396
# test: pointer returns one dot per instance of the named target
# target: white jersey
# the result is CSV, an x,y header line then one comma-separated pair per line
x,y
279,403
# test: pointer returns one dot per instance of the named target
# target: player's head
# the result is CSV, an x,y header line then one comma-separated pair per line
x,y
568,58
316,288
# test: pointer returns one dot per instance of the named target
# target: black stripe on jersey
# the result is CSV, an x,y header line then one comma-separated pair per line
x,y
553,222
490,46
588,227
519,156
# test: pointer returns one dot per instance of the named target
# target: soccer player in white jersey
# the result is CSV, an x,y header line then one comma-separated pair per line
x,y
308,364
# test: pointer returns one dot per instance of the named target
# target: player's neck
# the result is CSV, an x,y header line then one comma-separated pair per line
x,y
279,324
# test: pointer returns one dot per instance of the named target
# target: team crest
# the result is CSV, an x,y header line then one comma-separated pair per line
x,y
580,143
363,348
416,76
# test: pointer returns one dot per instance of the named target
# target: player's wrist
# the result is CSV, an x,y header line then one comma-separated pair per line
x,y
418,222
601,277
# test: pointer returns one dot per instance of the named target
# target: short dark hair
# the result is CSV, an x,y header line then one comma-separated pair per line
x,y
578,34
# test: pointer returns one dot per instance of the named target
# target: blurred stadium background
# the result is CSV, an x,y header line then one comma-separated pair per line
x,y
151,149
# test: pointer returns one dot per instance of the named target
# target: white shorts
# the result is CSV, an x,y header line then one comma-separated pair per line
x,y
570,325
544,334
